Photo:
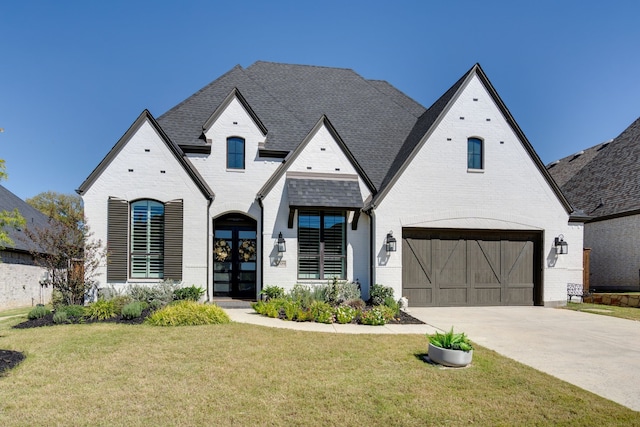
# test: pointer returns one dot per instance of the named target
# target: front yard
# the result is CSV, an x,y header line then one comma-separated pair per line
x,y
237,374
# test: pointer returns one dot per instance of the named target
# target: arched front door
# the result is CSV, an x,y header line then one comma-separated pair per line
x,y
235,253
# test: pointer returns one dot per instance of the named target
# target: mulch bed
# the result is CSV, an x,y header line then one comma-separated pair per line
x,y
406,319
9,359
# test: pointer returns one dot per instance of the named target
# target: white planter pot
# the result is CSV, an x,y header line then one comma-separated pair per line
x,y
446,357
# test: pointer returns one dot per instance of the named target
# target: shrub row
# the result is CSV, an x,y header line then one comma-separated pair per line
x,y
338,301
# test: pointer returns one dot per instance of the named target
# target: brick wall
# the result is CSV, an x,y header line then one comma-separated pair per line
x,y
19,282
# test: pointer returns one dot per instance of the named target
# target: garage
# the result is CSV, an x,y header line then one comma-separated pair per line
x,y
471,268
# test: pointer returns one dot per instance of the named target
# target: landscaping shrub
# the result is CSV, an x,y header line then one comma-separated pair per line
x,y
379,293
273,292
393,305
119,301
345,314
291,309
375,316
156,296
76,311
259,306
133,310
191,293
301,294
322,312
188,313
358,304
339,291
102,310
304,315
60,317
57,299
38,312
273,306
319,293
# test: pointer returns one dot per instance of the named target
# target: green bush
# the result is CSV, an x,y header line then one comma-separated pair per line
x,y
322,312
273,306
375,316
119,301
358,304
133,310
60,317
102,310
191,293
75,311
57,299
156,296
379,293
188,313
304,315
301,294
259,307
38,312
345,314
393,305
291,309
339,291
273,292
320,293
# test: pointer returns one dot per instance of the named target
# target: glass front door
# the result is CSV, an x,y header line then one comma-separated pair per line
x,y
234,257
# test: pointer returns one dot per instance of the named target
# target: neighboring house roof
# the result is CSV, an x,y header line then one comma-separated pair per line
x,y
603,180
32,216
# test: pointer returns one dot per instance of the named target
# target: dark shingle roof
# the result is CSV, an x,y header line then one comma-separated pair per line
x,y
372,117
324,192
32,216
603,180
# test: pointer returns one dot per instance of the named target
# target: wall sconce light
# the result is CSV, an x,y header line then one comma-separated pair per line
x,y
282,245
562,247
391,243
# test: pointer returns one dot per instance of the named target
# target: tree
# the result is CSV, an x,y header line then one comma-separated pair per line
x,y
70,257
65,248
65,208
8,219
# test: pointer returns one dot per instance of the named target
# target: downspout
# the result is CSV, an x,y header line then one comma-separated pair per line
x,y
259,199
209,203
372,270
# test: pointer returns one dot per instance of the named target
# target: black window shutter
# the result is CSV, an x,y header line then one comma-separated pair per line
x,y
173,225
117,237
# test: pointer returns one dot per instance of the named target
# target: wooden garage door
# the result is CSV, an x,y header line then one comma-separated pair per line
x,y
459,268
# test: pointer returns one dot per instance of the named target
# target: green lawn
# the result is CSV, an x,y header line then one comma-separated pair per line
x,y
236,374
632,313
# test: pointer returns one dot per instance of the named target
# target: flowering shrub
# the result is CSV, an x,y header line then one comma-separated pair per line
x,y
345,314
375,316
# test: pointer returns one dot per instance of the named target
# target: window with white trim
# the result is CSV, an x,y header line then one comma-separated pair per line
x,y
474,153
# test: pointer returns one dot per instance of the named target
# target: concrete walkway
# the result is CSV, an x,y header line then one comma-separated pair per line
x,y
598,353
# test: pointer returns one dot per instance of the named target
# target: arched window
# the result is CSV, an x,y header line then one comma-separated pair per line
x,y
474,153
235,153
147,239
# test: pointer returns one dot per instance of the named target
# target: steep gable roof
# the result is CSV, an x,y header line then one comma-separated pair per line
x,y
32,216
430,119
372,117
175,150
604,179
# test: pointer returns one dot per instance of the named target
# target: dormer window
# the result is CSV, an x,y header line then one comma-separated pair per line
x,y
235,153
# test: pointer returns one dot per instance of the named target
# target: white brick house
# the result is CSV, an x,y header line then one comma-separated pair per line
x,y
335,166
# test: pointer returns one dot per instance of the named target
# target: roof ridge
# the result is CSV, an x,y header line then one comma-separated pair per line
x,y
237,67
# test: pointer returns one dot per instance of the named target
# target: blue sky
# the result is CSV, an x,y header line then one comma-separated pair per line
x,y
74,75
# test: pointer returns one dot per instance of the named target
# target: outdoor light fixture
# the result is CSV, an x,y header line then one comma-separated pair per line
x,y
562,247
391,242
282,245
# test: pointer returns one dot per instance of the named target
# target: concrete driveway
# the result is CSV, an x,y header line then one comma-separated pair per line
x,y
597,353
